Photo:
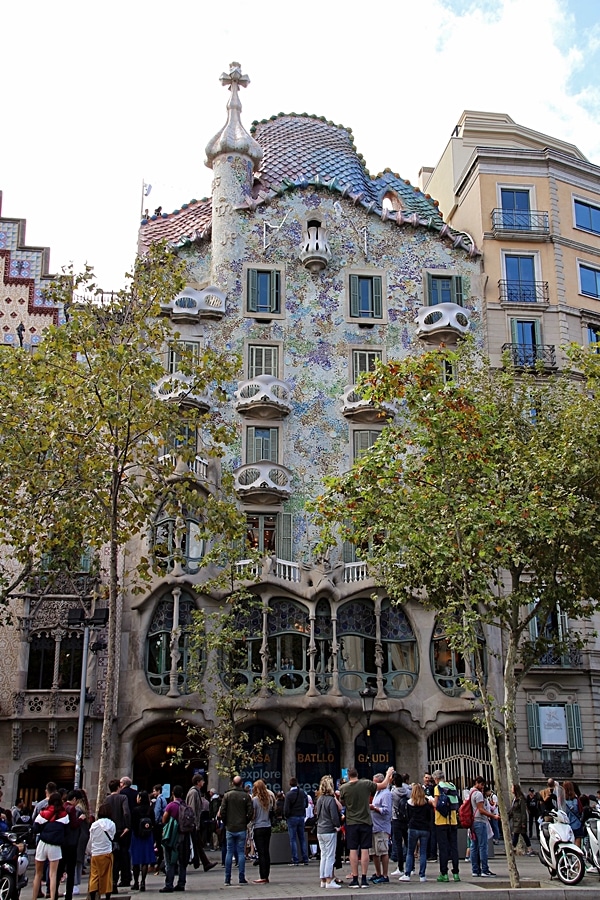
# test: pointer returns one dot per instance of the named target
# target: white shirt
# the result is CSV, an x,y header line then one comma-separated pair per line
x,y
102,832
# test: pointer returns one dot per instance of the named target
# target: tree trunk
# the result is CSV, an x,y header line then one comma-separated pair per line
x,y
486,701
510,715
107,742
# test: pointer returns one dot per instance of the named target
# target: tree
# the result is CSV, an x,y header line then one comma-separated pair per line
x,y
83,426
481,499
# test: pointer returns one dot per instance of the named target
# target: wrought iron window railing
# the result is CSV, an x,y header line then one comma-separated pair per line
x,y
523,291
533,220
528,356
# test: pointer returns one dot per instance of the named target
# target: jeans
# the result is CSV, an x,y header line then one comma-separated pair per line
x,y
327,845
479,847
236,843
262,841
447,839
296,834
177,868
397,855
414,835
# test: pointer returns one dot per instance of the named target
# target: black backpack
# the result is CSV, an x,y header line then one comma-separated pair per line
x,y
146,827
186,819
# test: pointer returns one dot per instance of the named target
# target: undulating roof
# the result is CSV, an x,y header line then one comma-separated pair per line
x,y
302,151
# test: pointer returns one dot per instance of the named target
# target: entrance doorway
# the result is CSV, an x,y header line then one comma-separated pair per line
x,y
317,754
33,781
380,748
152,761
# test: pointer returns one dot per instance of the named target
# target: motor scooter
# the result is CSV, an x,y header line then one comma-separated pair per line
x,y
558,850
13,866
591,844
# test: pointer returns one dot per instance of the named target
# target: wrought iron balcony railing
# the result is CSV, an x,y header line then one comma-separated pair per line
x,y
534,221
528,356
523,291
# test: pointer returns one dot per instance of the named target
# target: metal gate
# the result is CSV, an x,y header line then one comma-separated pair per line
x,y
462,752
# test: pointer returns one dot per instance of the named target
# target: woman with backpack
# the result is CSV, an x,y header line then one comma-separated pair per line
x,y
50,824
518,818
142,841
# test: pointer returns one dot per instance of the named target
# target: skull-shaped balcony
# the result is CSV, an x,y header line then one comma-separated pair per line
x,y
315,252
191,305
263,482
176,387
443,323
358,409
264,397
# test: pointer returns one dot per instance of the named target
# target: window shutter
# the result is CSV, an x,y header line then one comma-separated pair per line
x,y
533,726
377,297
252,290
431,299
251,445
274,291
270,364
514,331
354,297
458,290
283,536
534,628
538,332
574,726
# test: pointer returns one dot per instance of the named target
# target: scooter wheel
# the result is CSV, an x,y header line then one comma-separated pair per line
x,y
7,887
571,866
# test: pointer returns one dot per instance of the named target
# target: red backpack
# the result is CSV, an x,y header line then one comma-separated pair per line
x,y
465,812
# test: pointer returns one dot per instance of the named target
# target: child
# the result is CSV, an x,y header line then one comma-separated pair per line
x,y
100,846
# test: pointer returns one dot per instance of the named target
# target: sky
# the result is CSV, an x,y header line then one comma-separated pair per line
x,y
100,98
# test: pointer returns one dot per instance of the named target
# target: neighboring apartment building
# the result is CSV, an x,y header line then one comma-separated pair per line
x,y
532,204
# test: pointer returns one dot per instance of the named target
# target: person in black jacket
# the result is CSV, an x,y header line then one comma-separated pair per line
x,y
294,811
418,830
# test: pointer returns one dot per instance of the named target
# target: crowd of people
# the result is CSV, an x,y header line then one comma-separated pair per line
x,y
383,820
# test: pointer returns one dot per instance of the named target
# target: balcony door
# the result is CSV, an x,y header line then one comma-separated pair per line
x,y
526,335
520,278
516,211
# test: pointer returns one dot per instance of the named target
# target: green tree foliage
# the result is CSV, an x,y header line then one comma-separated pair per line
x,y
83,428
481,500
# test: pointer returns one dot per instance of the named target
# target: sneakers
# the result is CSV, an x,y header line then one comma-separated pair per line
x,y
404,878
422,879
353,883
443,878
456,876
397,872
380,879
75,888
488,874
333,885
364,883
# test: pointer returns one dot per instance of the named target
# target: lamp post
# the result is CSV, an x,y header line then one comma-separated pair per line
x,y
367,696
97,620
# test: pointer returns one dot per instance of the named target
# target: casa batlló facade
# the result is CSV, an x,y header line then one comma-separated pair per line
x,y
311,270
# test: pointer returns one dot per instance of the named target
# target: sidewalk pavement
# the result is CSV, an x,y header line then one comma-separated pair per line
x,y
303,882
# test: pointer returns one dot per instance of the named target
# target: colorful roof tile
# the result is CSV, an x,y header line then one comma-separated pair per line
x,y
301,151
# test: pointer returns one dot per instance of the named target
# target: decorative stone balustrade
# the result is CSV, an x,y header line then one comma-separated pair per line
x,y
443,323
358,409
192,304
263,482
263,396
356,571
176,387
315,253
37,704
197,466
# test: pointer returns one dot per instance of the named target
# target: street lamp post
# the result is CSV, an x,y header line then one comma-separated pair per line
x,y
97,620
367,697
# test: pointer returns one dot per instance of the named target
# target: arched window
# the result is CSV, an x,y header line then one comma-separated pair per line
x,y
449,667
158,645
164,541
400,664
288,633
356,632
243,665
